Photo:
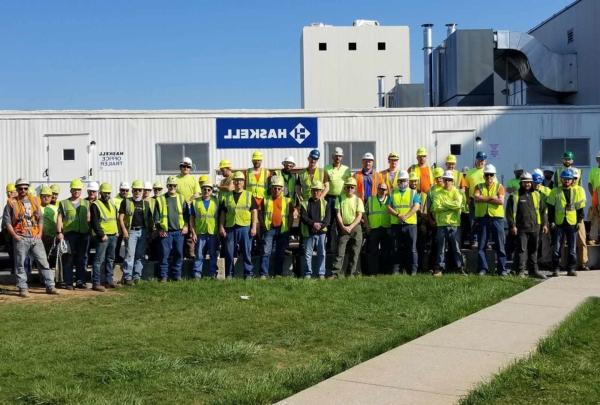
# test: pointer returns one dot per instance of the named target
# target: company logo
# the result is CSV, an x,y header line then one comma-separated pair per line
x,y
299,133
266,132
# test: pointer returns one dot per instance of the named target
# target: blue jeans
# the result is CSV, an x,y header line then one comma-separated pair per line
x,y
311,243
133,265
495,227
238,236
570,234
448,235
78,243
206,244
406,247
281,241
104,260
171,245
34,249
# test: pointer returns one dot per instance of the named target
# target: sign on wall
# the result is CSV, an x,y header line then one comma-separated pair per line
x,y
257,133
111,161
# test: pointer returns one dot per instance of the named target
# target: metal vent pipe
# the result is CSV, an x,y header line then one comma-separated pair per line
x,y
427,49
450,28
380,91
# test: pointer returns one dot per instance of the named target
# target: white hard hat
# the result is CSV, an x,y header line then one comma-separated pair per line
x,y
403,175
526,176
338,151
448,175
187,161
490,169
93,186
548,169
368,156
124,185
576,172
518,167
289,159
538,171
147,185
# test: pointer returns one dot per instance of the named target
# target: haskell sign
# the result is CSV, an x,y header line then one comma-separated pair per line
x,y
256,133
110,161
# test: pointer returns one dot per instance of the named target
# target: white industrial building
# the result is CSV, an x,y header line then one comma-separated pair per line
x,y
340,65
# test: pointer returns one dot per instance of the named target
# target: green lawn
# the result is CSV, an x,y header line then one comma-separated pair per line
x,y
200,343
564,370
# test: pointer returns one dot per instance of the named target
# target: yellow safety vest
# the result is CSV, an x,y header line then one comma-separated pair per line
x,y
561,210
75,220
416,169
238,213
108,217
378,214
474,177
130,209
49,213
205,220
257,188
284,213
402,202
163,210
289,187
307,181
483,208
535,195
303,227
392,183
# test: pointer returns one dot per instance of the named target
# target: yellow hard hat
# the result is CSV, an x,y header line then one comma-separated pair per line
x,y
203,179
257,155
55,189
171,180
438,172
46,190
317,185
157,184
137,184
10,187
76,184
223,164
238,176
422,151
277,181
451,159
413,176
351,181
105,188
393,156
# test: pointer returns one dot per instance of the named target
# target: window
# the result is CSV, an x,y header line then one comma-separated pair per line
x,y
169,155
455,149
553,149
381,46
68,154
570,36
322,46
353,152
352,46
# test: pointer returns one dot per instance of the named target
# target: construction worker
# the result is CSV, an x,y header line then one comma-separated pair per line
x,y
422,170
136,224
426,241
349,209
567,160
204,213
171,218
276,224
446,207
335,176
290,179
526,215
545,239
403,205
548,173
55,193
257,179
473,178
72,226
594,211
25,224
157,189
390,174
155,246
124,193
582,250
147,193
11,194
565,211
49,214
103,221
189,188
489,215
314,217
378,230
367,179
513,185
309,176
226,184
238,220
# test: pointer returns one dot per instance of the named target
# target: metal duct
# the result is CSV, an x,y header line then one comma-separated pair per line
x,y
380,91
450,28
427,49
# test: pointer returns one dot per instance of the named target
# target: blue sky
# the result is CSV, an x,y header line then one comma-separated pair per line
x,y
150,54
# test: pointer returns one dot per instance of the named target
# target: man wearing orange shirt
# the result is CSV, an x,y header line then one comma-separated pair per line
x,y
423,171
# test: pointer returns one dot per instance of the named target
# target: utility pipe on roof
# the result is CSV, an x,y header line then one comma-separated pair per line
x,y
427,50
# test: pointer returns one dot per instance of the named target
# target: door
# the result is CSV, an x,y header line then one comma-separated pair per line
x,y
68,157
460,143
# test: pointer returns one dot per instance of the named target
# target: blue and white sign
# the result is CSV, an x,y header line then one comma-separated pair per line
x,y
257,133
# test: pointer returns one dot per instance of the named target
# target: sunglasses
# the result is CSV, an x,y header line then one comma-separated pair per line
x,y
137,190
171,185
22,188
488,175
185,167
448,179
350,187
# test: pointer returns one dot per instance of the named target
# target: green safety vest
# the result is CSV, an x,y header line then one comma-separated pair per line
x,y
108,217
163,210
402,202
483,208
306,181
50,213
337,177
269,202
289,188
561,210
378,215
535,195
258,187
130,209
75,220
303,227
205,219
238,213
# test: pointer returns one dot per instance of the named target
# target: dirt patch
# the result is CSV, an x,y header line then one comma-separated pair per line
x,y
10,293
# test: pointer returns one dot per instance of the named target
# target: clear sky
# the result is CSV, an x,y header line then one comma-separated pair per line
x,y
149,54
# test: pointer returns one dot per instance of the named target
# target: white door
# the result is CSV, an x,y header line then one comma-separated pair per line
x,y
461,143
68,157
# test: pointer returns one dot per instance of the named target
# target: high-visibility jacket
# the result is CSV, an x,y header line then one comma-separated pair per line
x,y
108,217
20,222
474,177
205,219
50,214
562,211
376,180
289,184
303,227
75,219
377,213
130,209
402,202
544,191
446,207
416,169
307,180
257,188
390,179
484,208
285,204
152,205
163,210
238,213
535,196
594,178
337,177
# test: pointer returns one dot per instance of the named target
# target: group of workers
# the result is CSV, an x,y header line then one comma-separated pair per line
x,y
411,221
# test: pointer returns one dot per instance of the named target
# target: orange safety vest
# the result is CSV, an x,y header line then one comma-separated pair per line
x,y
20,223
360,187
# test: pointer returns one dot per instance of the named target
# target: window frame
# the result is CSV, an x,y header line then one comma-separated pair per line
x,y
578,162
195,168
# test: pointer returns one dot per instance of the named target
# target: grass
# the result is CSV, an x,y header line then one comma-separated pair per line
x,y
564,370
200,343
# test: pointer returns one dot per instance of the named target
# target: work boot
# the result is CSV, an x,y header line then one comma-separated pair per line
x,y
555,273
69,287
572,273
81,285
522,274
110,285
437,273
462,271
52,291
23,292
98,287
538,275
128,282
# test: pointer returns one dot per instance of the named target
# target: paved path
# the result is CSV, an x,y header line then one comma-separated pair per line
x,y
442,366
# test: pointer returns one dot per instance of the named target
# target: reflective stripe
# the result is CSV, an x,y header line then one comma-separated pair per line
x,y
269,213
108,217
535,195
306,181
402,203
483,208
205,220
378,214
238,213
75,219
163,209
257,188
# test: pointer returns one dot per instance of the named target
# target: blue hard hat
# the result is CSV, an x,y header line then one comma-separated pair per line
x,y
315,154
481,156
567,174
537,178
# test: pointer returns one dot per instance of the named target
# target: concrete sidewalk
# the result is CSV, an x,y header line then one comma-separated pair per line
x,y
442,366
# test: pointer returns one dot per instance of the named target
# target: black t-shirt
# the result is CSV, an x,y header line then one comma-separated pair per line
x,y
137,219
